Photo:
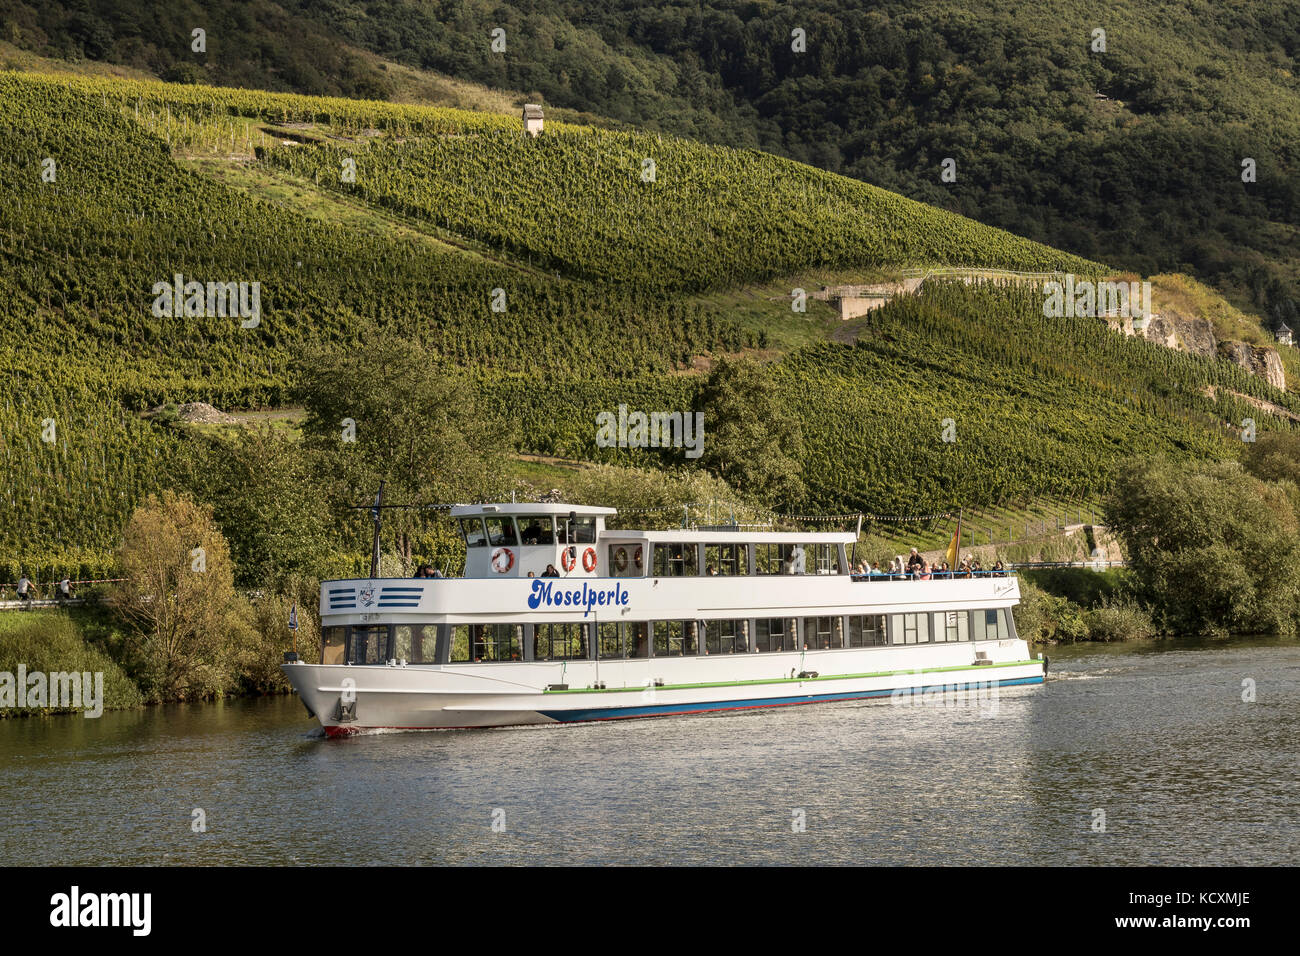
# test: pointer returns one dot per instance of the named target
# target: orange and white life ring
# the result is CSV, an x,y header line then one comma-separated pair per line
x,y
620,559
568,559
589,560
636,555
503,559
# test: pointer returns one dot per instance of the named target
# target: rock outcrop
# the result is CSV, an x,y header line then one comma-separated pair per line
x,y
1257,360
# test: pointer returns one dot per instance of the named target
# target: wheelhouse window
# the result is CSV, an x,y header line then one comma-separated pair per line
x,y
725,559
726,637
774,634
369,644
623,639
560,642
866,630
332,644
767,558
626,560
472,528
821,633
674,560
583,529
674,638
536,529
415,643
501,532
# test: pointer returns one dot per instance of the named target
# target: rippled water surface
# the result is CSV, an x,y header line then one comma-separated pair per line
x,y
1157,736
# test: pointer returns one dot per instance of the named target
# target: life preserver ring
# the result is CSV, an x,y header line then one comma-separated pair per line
x,y
636,556
620,560
568,559
503,559
589,560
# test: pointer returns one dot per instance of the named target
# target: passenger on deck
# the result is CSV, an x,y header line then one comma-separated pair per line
x,y
976,568
915,562
999,569
550,572
875,569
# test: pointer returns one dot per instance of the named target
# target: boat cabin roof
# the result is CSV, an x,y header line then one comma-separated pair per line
x,y
714,536
528,508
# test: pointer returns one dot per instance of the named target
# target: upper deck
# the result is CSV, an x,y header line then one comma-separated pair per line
x,y
525,540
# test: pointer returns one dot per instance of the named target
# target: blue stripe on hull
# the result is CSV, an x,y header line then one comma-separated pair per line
x,y
664,710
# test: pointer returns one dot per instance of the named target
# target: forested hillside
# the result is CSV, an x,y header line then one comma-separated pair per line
x,y
1131,154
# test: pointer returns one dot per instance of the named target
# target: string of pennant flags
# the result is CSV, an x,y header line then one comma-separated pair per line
x,y
744,510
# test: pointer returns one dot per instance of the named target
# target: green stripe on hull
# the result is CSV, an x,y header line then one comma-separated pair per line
x,y
785,680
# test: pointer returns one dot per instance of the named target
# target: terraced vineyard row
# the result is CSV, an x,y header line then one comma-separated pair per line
x,y
633,208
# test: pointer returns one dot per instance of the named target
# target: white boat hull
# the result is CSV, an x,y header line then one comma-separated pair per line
x,y
348,699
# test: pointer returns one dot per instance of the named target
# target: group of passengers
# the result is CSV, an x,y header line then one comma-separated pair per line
x,y
917,568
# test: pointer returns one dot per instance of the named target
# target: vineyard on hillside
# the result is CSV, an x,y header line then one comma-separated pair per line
x,y
591,266
658,213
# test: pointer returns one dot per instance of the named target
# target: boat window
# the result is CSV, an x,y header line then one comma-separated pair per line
x,y
821,633
952,626
332,641
989,625
583,528
767,558
866,630
674,638
415,643
479,643
626,560
623,639
824,558
774,634
909,628
536,529
674,560
501,532
473,531
726,637
560,642
369,644
725,559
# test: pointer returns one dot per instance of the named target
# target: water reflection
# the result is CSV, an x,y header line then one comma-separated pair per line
x,y
1154,735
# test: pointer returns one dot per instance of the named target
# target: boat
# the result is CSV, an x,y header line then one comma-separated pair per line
x,y
558,618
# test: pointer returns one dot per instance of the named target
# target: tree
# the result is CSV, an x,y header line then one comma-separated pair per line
x,y
753,440
387,412
263,492
179,597
1212,547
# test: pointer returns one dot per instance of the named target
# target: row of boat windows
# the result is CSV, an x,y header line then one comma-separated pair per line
x,y
682,559
625,640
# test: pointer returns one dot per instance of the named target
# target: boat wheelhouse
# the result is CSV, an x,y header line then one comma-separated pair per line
x,y
559,619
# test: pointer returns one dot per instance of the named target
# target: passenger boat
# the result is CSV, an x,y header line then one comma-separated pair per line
x,y
644,624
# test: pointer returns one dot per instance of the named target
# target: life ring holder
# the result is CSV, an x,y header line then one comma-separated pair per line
x,y
589,560
620,559
502,556
569,558
636,556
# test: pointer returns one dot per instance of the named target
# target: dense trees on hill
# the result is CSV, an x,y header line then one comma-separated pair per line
x,y
1148,179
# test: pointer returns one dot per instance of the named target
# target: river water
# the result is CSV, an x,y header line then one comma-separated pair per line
x,y
1155,736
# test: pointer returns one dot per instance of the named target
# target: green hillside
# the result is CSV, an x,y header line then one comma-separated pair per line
x,y
1130,152
597,270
